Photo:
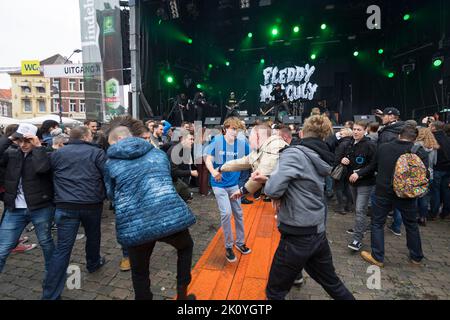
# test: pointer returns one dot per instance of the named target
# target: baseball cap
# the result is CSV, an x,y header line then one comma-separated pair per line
x,y
391,111
25,128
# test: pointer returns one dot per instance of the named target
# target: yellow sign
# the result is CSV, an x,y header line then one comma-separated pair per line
x,y
31,67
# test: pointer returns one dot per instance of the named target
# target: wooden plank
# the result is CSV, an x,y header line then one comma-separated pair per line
x,y
204,284
253,289
239,277
260,259
214,278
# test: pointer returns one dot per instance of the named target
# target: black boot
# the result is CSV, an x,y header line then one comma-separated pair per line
x,y
182,294
340,209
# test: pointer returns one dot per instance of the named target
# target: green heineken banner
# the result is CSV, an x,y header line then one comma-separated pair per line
x,y
102,46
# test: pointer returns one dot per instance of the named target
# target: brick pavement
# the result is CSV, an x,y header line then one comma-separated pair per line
x,y
23,272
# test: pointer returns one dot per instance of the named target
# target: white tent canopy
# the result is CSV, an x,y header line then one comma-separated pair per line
x,y
5,121
40,120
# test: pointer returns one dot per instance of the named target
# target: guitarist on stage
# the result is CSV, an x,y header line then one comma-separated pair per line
x,y
280,102
232,106
182,109
200,104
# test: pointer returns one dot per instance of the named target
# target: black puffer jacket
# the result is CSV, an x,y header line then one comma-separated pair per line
x,y
390,132
35,171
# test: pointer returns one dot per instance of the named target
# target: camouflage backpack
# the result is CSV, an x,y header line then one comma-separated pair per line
x,y
410,176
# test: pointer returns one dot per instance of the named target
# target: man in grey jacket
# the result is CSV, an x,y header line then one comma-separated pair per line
x,y
297,189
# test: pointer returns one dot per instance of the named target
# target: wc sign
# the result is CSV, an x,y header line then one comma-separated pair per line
x,y
31,67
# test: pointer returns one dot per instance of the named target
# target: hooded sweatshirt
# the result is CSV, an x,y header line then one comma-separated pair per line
x,y
299,182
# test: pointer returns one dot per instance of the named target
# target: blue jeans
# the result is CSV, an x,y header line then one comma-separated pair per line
x,y
13,224
440,192
243,178
125,253
423,203
228,207
329,184
397,223
408,211
68,222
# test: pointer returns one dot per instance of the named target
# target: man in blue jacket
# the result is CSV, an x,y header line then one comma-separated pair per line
x,y
79,195
148,209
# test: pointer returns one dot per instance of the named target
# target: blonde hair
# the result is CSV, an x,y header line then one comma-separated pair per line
x,y
427,138
315,112
233,122
318,126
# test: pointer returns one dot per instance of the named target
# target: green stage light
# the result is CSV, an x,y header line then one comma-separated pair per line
x,y
437,62
380,51
274,31
169,79
262,61
190,41
227,63
391,75
296,29
199,86
406,17
210,66
313,56
323,26
356,53
250,35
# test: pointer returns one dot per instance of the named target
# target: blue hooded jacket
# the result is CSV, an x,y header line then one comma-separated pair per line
x,y
148,208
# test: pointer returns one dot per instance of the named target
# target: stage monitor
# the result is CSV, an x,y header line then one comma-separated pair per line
x,y
367,118
249,121
213,121
266,118
292,120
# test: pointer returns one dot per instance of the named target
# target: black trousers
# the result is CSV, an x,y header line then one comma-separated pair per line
x,y
140,263
309,252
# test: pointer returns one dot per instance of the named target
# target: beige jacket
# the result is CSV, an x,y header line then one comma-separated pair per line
x,y
264,160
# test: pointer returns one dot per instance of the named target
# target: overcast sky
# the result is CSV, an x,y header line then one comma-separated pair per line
x,y
36,30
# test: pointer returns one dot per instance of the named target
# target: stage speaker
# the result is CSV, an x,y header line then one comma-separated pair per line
x,y
292,120
249,121
367,118
213,121
266,118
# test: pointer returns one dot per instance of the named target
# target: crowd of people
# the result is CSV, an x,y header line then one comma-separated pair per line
x,y
59,179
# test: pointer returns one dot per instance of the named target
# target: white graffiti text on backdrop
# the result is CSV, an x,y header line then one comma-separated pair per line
x,y
294,80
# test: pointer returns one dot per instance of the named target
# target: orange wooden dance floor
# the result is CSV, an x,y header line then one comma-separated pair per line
x,y
214,278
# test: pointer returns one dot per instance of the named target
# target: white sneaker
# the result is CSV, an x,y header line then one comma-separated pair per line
x,y
80,236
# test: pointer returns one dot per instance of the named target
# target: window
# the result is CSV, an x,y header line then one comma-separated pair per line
x,y
72,105
42,106
82,106
26,89
27,106
55,83
72,83
55,106
81,85
40,90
